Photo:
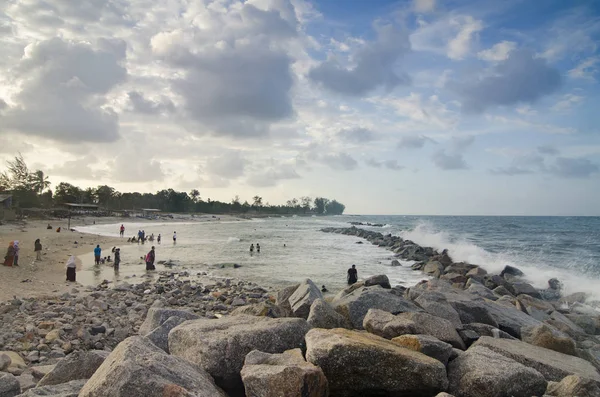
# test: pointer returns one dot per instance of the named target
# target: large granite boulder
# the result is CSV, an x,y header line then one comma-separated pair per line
x,y
510,319
264,309
526,289
389,326
361,364
573,385
381,280
480,372
303,297
473,311
553,365
282,297
487,330
323,315
77,365
433,268
428,345
160,335
9,385
286,374
544,336
69,389
435,303
158,315
355,305
220,346
138,368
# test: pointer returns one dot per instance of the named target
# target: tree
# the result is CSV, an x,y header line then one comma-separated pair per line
x,y
17,177
67,193
320,204
39,182
235,203
195,195
257,201
88,196
334,208
306,202
104,195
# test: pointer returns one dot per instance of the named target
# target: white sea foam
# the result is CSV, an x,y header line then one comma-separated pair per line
x,y
233,240
536,271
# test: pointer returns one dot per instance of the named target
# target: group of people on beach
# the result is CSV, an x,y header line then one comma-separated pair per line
x,y
12,254
252,249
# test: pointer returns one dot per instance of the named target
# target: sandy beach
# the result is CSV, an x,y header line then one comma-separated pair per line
x,y
47,277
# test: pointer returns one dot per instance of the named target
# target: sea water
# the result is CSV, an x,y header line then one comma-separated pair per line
x,y
293,249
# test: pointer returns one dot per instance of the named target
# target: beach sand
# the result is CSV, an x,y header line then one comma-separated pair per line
x,y
47,277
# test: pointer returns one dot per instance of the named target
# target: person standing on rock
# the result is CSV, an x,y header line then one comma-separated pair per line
x,y
150,257
38,249
117,259
97,254
352,275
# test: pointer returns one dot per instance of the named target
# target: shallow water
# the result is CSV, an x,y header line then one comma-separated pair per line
x,y
543,247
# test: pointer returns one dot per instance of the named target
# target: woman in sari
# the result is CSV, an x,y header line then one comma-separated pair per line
x,y
71,268
9,258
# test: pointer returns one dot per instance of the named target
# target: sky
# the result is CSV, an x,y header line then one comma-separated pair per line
x,y
391,107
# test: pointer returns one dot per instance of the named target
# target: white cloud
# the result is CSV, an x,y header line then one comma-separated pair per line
x,y
460,46
413,141
449,161
228,165
429,111
452,35
499,52
424,6
586,69
567,102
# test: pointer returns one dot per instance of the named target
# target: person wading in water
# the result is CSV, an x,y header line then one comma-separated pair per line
x,y
352,275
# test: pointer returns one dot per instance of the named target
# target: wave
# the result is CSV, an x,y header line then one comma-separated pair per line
x,y
536,268
233,240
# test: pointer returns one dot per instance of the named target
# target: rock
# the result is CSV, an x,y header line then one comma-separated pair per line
x,y
474,312
283,296
69,389
355,305
220,346
381,280
138,368
433,268
511,270
361,364
427,345
482,291
77,365
40,371
487,330
301,300
5,361
395,262
553,365
480,372
160,335
579,297
263,309
502,291
574,385
509,319
436,304
323,315
526,289
26,381
468,336
9,385
443,394
156,316
567,326
585,322
476,272
286,374
544,336
389,326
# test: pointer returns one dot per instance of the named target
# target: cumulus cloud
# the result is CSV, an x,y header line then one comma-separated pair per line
x,y
586,69
574,168
424,6
522,164
337,161
273,175
452,36
77,169
413,141
389,164
149,106
136,167
449,161
520,78
357,135
63,90
228,165
460,46
499,52
373,66
567,102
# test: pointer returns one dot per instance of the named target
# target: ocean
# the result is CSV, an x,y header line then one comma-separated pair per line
x,y
293,249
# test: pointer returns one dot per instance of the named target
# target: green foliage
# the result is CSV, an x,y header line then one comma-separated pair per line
x,y
320,204
334,208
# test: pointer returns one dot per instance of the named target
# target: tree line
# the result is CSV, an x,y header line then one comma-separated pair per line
x,y
31,189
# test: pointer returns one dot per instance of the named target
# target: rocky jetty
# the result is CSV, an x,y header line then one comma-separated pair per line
x,y
463,333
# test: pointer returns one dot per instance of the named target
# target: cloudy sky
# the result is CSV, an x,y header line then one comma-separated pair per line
x,y
392,107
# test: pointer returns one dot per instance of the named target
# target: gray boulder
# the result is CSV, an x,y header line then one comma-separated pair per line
x,y
381,280
220,346
487,330
355,305
286,374
509,319
69,389
361,364
544,336
435,303
433,268
77,365
427,345
265,309
553,365
527,289
480,372
158,315
301,300
471,311
389,326
481,291
138,368
282,298
323,315
9,385
160,335
5,361
573,385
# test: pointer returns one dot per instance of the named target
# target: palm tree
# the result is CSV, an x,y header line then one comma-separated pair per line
x,y
195,194
257,201
39,181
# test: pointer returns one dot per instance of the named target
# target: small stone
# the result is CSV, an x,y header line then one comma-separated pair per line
x,y
5,361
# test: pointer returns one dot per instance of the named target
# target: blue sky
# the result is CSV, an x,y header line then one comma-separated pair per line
x,y
392,107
